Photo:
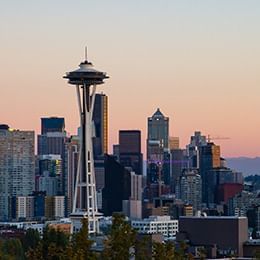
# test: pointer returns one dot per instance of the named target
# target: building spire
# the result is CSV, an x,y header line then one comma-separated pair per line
x,y
86,53
158,113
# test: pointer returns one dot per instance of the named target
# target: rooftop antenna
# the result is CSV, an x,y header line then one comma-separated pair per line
x,y
86,53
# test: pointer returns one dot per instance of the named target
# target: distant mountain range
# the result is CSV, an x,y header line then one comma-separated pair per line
x,y
246,165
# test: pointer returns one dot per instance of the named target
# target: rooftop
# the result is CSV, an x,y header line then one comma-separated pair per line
x,y
213,217
158,113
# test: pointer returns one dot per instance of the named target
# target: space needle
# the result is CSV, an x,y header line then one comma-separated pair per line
x,y
86,79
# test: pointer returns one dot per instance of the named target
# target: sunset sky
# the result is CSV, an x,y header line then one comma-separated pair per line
x,y
198,61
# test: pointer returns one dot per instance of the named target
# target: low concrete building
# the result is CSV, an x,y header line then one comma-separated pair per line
x,y
157,225
252,248
228,234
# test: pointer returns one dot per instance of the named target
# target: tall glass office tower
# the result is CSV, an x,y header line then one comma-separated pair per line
x,y
157,143
158,128
100,119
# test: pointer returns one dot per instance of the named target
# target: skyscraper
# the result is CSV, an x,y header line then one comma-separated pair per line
x,y
190,189
157,142
158,129
50,163
133,206
50,171
52,138
52,124
174,143
100,118
71,162
130,150
215,177
117,186
193,156
16,166
52,141
178,163
209,156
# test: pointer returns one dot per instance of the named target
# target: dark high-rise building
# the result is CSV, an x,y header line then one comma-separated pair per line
x,y
130,150
209,156
39,203
196,141
209,159
52,138
216,177
178,163
117,186
116,151
52,141
52,124
100,118
167,168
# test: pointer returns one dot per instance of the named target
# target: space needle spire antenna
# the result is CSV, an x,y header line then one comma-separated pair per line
x,y
86,79
86,52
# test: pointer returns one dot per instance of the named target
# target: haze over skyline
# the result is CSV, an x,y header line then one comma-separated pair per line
x,y
198,61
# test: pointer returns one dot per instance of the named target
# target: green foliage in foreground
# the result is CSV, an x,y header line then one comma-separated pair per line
x,y
122,243
11,249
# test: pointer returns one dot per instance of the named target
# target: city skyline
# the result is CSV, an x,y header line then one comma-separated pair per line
x,y
196,62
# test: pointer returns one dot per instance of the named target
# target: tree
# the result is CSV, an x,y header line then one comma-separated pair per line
x,y
163,251
121,239
257,255
53,245
181,252
143,247
35,254
169,252
54,239
11,249
81,244
56,252
31,239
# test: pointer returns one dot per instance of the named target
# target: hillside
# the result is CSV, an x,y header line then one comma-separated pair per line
x,y
249,166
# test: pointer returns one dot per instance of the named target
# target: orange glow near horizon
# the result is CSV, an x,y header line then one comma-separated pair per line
x,y
198,62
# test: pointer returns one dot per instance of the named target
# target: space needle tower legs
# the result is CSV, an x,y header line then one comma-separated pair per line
x,y
86,79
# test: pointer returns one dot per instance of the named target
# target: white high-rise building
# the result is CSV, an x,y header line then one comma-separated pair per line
x,y
71,161
17,166
189,190
24,207
59,206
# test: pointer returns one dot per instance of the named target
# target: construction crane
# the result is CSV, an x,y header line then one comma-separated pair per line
x,y
217,138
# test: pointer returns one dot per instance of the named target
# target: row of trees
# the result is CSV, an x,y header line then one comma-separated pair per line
x,y
122,243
